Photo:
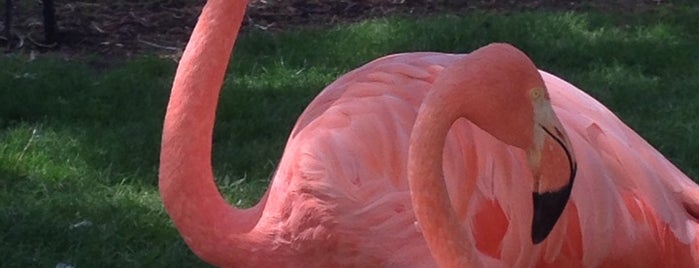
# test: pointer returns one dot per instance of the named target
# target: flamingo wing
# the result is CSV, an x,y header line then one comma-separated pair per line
x,y
342,176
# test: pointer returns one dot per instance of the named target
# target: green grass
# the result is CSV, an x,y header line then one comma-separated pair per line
x,y
79,147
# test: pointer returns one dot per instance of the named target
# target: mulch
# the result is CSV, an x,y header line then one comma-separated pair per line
x,y
129,27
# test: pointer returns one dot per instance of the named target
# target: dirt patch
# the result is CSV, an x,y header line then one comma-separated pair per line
x,y
129,27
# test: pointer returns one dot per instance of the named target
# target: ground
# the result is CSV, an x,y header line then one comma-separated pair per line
x,y
127,27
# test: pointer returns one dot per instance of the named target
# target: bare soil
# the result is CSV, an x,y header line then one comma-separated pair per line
x,y
130,27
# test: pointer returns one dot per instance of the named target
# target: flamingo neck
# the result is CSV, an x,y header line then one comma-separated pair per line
x,y
449,243
209,225
463,90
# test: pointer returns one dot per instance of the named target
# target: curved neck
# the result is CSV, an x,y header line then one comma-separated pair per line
x,y
489,88
449,243
210,226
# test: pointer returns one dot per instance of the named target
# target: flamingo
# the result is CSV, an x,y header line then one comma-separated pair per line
x,y
425,160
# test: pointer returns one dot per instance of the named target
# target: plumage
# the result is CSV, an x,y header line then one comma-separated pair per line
x,y
340,195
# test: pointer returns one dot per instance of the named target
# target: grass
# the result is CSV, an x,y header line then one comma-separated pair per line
x,y
79,147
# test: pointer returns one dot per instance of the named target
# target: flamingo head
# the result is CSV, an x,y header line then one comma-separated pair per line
x,y
506,96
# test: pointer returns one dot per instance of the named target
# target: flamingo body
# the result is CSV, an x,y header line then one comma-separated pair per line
x,y
340,196
347,155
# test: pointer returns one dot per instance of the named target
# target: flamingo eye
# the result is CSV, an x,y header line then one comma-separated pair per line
x,y
536,93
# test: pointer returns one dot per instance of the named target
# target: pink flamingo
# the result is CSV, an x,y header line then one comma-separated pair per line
x,y
428,159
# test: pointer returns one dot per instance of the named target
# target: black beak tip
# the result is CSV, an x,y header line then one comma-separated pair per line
x,y
539,234
548,207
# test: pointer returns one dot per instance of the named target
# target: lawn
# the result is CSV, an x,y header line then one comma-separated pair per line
x,y
79,139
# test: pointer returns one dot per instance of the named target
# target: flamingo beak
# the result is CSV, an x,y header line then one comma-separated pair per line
x,y
554,168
